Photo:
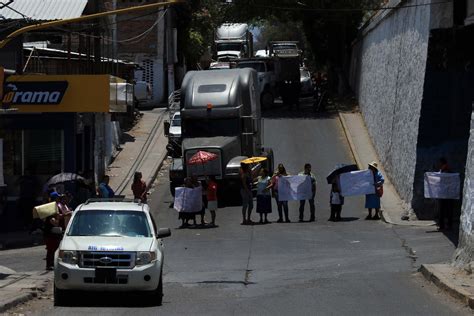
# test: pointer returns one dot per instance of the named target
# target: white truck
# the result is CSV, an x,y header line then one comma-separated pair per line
x,y
233,41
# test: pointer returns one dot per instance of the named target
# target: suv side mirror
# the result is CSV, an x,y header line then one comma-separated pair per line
x,y
167,128
163,233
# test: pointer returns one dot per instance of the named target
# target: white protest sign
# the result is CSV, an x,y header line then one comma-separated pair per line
x,y
442,185
188,200
357,183
294,188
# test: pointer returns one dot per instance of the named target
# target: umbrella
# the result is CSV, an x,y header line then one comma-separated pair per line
x,y
342,168
201,157
45,210
63,177
253,160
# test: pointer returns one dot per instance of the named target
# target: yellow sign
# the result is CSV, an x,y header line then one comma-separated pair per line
x,y
58,93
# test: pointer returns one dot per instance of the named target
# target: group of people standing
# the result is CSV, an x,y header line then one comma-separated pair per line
x,y
267,186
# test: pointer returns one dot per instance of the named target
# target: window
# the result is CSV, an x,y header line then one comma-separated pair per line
x,y
110,223
212,88
259,67
43,150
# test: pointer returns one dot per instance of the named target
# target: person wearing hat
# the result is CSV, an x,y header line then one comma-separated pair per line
x,y
372,201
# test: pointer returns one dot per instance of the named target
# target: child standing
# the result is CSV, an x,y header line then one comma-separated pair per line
x,y
336,201
212,198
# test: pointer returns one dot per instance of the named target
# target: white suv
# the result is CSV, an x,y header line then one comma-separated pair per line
x,y
110,245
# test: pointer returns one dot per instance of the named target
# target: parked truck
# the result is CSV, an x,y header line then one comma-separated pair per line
x,y
220,114
287,58
232,41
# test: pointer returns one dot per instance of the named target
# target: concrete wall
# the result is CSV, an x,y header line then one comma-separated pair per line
x,y
465,251
391,59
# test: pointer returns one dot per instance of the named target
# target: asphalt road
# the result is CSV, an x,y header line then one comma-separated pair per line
x,y
349,267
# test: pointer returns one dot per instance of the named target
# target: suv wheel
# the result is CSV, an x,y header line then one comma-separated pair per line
x,y
267,99
158,293
60,297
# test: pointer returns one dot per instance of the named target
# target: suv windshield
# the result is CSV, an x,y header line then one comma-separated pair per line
x,y
259,67
110,223
176,121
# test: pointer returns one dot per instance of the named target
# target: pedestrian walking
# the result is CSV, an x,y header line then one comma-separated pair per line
x,y
246,193
212,198
281,205
264,196
336,201
104,190
312,208
445,205
372,201
139,187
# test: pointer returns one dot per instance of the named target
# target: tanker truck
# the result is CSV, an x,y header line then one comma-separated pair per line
x,y
220,114
233,41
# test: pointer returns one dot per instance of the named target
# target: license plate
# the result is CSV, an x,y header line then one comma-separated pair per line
x,y
107,275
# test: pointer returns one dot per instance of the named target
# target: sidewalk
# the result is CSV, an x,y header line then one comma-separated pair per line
x,y
393,208
455,282
144,150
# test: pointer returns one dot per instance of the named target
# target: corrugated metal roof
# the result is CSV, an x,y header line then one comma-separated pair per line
x,y
43,9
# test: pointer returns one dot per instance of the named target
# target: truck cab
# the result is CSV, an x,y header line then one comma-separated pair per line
x,y
233,41
220,113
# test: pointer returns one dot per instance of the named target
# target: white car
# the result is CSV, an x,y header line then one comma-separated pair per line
x,y
110,245
175,127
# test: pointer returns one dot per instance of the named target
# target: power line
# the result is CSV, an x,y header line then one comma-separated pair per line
x,y
350,9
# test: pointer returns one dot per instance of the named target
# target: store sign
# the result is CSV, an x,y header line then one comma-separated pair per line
x,y
34,93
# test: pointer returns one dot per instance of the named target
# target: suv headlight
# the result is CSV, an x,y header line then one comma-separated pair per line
x,y
68,256
145,257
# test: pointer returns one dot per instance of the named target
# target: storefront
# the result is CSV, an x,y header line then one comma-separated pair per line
x,y
50,125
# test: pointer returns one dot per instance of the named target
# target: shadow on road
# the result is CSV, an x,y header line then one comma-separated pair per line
x,y
111,300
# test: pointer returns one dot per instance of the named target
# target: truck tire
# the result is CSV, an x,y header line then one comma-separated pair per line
x,y
267,99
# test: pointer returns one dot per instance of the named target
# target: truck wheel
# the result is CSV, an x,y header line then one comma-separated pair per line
x,y
267,99
60,297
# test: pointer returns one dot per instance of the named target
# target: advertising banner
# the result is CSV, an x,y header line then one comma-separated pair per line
x,y
357,183
442,185
294,188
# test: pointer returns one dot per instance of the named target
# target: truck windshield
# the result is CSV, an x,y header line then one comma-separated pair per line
x,y
284,46
229,46
110,223
210,128
259,67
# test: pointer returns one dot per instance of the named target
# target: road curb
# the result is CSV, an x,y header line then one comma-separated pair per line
x,y
349,140
428,271
17,300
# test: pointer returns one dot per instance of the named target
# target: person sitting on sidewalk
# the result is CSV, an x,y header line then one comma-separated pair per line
x,y
372,201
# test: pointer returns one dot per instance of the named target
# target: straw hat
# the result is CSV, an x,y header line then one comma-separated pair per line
x,y
374,164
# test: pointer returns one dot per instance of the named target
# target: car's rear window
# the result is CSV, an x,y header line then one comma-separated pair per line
x,y
110,223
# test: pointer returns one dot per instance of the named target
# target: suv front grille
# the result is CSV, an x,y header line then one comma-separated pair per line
x,y
119,260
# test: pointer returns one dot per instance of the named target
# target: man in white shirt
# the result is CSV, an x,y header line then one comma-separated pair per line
x,y
312,208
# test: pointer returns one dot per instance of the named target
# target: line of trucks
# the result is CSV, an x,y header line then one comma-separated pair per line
x,y
219,110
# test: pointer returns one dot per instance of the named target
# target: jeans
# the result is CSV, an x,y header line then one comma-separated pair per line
x,y
282,207
312,208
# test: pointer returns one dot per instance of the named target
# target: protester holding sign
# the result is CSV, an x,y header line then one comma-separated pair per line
x,y
312,208
282,205
445,205
336,201
372,201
